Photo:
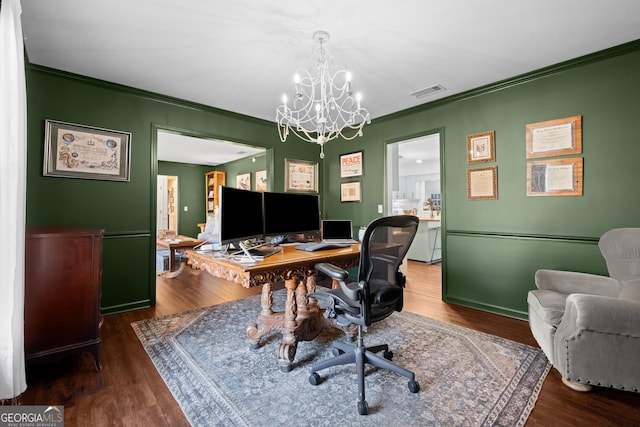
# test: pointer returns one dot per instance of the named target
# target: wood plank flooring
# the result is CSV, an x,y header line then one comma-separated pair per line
x,y
130,392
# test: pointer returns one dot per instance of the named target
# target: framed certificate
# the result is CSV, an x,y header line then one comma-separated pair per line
x,y
556,177
78,151
558,137
300,176
482,183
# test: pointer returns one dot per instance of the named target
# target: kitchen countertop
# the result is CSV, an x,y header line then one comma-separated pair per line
x,y
428,218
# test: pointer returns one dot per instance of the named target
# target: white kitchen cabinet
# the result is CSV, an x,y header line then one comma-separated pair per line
x,y
426,244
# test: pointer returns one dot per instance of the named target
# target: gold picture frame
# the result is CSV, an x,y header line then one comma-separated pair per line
x,y
481,147
300,176
482,183
557,137
555,177
87,152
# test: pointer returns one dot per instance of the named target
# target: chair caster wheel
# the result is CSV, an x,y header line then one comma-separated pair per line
x,y
414,386
254,346
363,408
314,379
388,354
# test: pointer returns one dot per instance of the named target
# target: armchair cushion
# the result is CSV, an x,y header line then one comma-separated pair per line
x,y
548,305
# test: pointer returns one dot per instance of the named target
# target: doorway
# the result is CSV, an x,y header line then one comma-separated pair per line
x,y
413,186
167,200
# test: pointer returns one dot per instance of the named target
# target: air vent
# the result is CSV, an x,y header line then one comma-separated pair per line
x,y
428,91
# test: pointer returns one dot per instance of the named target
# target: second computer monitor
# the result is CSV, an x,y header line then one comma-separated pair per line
x,y
291,213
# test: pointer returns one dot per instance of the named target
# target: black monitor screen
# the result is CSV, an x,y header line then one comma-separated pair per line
x,y
291,213
240,215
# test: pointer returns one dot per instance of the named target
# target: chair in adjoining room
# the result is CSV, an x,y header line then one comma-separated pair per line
x,y
376,294
589,325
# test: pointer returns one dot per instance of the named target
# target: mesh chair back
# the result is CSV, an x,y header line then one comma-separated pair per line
x,y
384,246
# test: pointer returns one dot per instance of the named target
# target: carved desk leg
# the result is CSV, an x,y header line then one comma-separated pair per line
x,y
267,319
288,346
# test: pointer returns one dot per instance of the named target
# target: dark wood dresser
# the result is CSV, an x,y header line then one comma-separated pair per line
x,y
63,271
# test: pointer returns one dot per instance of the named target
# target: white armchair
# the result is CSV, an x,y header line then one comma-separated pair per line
x,y
589,325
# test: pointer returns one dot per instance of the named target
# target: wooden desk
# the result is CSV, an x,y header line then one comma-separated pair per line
x,y
302,319
180,242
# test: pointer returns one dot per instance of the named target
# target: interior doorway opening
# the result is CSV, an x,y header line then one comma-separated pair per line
x,y
413,186
167,201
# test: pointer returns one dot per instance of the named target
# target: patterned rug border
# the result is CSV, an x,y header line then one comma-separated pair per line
x,y
173,342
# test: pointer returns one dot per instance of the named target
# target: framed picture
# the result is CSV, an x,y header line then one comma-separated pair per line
x,y
351,191
300,176
482,183
78,151
556,177
558,137
352,164
243,181
481,147
261,181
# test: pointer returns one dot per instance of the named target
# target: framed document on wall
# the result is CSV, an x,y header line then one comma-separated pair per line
x,y
351,191
300,176
78,151
482,183
481,147
555,177
558,137
351,164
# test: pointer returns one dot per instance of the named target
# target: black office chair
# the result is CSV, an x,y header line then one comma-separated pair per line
x,y
376,294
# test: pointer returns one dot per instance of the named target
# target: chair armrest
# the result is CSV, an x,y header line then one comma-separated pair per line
x,y
570,282
337,273
601,314
332,271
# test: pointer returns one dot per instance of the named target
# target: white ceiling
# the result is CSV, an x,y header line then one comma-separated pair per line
x,y
241,55
174,147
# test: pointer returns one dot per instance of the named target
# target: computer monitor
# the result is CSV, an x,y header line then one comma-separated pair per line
x,y
291,213
240,215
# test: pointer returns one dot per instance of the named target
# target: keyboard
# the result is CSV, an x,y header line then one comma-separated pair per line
x,y
315,246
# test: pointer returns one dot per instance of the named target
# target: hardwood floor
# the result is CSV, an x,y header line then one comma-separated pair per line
x,y
130,392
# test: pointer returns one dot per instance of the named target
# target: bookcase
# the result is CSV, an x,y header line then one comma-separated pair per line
x,y
213,180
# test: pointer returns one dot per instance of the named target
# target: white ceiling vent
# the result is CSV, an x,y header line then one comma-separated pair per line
x,y
428,91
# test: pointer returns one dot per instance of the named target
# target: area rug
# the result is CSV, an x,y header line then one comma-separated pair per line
x,y
467,378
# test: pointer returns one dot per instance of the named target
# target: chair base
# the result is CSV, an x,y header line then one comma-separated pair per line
x,y
361,356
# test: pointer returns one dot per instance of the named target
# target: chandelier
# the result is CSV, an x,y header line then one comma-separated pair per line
x,y
323,107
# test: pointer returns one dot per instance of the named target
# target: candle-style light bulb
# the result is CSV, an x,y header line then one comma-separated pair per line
x,y
358,98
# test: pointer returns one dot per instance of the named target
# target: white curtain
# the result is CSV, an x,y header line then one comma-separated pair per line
x,y
13,141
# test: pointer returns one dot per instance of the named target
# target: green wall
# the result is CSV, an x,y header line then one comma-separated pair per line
x,y
126,210
492,248
249,165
